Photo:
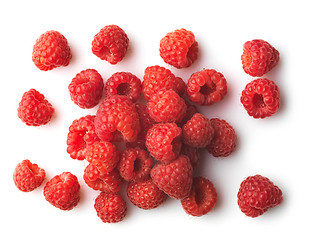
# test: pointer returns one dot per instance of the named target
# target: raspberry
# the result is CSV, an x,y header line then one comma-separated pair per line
x,y
107,182
166,106
135,164
197,132
28,176
124,83
259,57
86,88
191,110
81,134
145,194
110,207
51,50
117,118
163,141
34,109
62,191
202,198
206,87
103,155
175,178
261,98
110,44
158,78
192,153
179,48
224,140
257,194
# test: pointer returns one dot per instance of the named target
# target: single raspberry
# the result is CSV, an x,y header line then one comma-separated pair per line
x,y
206,87
191,110
175,178
259,57
110,207
62,191
86,88
261,98
192,153
202,198
124,83
107,182
28,176
110,44
135,164
34,109
117,118
179,48
167,106
224,140
163,141
197,132
257,194
81,134
103,155
145,194
158,78
51,50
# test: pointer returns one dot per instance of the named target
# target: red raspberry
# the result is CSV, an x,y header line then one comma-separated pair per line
x,y
175,178
202,198
28,176
124,83
135,164
167,106
257,194
86,88
191,110
107,182
179,48
206,87
224,140
51,50
163,141
110,207
261,98
81,134
110,44
158,78
117,118
197,132
62,191
192,153
145,194
34,109
259,57
103,155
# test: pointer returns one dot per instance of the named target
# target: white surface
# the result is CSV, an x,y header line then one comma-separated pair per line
x,y
275,147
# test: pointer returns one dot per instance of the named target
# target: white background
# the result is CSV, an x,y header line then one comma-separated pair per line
x,y
275,147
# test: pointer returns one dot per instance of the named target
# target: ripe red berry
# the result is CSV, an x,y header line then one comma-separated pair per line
x,y
28,176
51,50
179,48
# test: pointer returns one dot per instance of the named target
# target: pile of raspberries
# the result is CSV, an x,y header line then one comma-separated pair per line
x,y
148,132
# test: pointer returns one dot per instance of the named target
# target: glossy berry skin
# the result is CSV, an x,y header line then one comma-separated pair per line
x,y
110,44
257,194
179,48
261,98
86,88
259,57
28,176
51,50
206,87
62,191
202,198
34,109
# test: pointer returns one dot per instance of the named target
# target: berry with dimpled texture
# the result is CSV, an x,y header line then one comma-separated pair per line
x,y
261,98
51,50
179,48
34,109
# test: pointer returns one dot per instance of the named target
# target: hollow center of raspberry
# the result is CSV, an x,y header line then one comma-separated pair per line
x,y
207,89
123,89
80,142
104,53
176,144
199,196
258,101
192,52
137,165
